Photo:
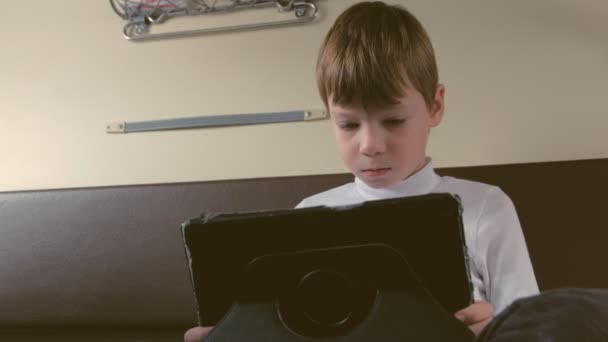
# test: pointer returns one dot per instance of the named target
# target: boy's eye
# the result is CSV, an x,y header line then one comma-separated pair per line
x,y
394,122
349,126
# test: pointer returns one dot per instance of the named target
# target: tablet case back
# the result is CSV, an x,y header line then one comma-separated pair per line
x,y
338,273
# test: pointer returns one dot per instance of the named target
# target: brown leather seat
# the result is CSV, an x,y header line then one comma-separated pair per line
x,y
112,258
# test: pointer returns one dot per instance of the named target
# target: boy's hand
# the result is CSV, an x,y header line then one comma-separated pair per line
x,y
197,334
476,316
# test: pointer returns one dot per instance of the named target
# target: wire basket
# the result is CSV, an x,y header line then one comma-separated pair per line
x,y
140,14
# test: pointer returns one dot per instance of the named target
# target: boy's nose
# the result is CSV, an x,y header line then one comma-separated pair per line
x,y
372,142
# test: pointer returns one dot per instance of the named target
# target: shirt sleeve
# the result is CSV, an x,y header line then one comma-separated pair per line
x,y
303,204
506,268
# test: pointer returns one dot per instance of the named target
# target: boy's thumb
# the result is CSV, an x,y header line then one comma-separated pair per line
x,y
461,316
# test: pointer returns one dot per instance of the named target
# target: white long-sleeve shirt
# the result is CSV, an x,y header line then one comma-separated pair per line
x,y
498,257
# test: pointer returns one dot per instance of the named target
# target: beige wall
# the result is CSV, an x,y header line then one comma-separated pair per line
x,y
526,81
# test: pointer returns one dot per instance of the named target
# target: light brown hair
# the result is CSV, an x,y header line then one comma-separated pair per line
x,y
369,54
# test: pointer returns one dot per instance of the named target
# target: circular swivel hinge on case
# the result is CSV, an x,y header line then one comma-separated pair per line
x,y
325,304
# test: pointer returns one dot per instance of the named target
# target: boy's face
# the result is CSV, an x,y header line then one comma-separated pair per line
x,y
383,146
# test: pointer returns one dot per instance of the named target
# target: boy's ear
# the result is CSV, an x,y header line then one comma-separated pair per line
x,y
438,106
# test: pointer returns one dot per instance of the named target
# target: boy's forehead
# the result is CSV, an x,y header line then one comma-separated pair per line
x,y
356,97
359,105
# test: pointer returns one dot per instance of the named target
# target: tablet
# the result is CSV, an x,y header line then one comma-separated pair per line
x,y
426,230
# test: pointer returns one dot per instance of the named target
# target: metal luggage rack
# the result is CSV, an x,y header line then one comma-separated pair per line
x,y
141,14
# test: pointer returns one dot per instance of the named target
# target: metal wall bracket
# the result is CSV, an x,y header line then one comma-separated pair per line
x,y
216,121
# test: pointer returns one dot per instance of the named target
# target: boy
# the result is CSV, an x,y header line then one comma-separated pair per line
x,y
378,78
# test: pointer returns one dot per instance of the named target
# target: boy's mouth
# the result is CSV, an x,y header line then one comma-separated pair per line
x,y
377,172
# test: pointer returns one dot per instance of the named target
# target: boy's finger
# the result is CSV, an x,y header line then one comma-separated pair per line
x,y
197,334
475,313
478,327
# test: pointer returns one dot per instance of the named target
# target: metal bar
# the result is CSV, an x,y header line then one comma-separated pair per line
x,y
215,121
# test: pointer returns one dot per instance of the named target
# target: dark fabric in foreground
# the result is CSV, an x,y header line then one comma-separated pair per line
x,y
553,316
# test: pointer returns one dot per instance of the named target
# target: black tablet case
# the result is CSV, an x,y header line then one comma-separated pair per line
x,y
238,260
